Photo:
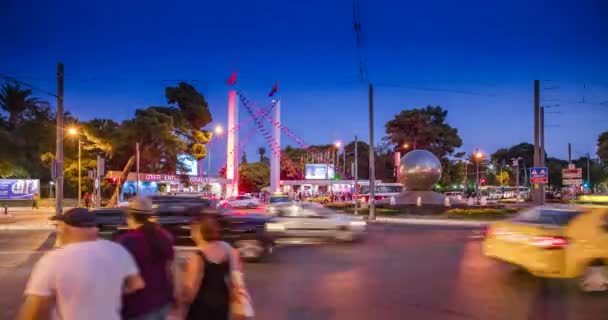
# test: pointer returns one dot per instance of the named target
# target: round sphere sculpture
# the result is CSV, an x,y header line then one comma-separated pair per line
x,y
419,170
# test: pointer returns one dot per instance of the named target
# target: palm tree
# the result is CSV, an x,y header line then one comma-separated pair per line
x,y
261,152
15,101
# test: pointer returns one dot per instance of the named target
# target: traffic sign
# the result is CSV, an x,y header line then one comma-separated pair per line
x,y
572,173
539,175
572,182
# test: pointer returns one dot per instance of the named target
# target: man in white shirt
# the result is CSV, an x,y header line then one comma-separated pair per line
x,y
83,279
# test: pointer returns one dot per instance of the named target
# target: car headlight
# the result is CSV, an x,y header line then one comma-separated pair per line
x,y
274,227
358,223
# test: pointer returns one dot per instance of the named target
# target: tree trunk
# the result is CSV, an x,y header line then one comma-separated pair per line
x,y
123,179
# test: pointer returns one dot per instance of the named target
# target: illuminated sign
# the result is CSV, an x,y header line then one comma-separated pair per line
x,y
319,171
186,165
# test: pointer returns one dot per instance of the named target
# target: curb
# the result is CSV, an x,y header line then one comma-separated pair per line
x,y
17,227
435,222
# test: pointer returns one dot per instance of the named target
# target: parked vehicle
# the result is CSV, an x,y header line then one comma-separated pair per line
x,y
247,233
310,220
243,201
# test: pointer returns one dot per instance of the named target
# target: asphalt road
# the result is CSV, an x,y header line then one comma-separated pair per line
x,y
398,272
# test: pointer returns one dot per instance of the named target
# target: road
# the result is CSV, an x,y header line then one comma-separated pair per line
x,y
398,272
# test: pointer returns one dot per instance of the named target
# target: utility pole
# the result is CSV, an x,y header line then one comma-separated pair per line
x,y
537,162
542,150
569,153
59,143
137,168
372,157
588,171
477,174
79,172
356,173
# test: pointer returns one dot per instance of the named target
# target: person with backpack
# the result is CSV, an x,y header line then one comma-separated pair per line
x,y
152,248
213,284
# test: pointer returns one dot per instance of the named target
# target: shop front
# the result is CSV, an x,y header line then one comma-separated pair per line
x,y
153,184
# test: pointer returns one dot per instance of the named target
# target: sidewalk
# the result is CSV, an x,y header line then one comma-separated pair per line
x,y
27,219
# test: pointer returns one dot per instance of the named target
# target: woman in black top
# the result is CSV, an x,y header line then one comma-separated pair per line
x,y
209,282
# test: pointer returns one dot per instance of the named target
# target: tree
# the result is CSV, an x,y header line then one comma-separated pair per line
x,y
16,102
263,157
244,158
253,177
523,150
503,178
424,128
602,146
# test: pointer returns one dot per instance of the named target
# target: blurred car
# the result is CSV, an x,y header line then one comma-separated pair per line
x,y
247,233
311,220
243,201
568,243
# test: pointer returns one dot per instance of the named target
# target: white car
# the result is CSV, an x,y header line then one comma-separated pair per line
x,y
310,220
243,201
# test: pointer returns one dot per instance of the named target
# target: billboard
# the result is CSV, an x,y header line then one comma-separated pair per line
x,y
19,189
319,171
186,165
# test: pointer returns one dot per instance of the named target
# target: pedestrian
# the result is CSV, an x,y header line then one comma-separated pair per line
x,y
87,200
35,199
213,284
83,279
152,248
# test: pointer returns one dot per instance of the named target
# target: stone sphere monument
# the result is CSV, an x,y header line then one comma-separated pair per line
x,y
419,170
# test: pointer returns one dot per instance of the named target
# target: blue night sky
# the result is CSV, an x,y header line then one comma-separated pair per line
x,y
474,58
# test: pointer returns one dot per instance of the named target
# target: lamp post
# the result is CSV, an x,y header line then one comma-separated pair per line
x,y
478,157
337,158
74,132
218,130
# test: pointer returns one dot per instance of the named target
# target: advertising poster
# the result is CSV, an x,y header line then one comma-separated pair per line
x,y
187,165
319,171
19,189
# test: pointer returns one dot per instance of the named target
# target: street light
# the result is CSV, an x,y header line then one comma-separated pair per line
x,y
74,132
406,146
218,130
478,157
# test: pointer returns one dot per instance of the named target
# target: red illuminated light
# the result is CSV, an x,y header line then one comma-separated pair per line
x,y
550,242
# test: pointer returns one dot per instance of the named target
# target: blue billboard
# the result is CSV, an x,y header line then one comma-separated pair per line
x,y
19,189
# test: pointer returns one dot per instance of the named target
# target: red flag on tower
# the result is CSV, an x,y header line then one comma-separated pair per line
x,y
274,90
232,79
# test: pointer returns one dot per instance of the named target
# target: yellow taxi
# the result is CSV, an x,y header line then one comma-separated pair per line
x,y
568,242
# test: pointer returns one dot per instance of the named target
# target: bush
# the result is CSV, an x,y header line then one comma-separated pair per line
x,y
379,211
339,205
478,213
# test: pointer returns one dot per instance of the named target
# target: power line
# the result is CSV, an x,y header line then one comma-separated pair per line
x,y
15,80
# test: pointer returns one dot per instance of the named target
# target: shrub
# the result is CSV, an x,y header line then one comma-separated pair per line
x,y
477,213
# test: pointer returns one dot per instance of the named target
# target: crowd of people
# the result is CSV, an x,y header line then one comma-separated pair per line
x,y
136,276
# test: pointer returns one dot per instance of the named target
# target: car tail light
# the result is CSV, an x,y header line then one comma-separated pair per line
x,y
487,232
550,242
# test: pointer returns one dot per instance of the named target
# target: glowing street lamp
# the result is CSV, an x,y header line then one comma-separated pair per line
x,y
218,129
478,157
338,144
406,146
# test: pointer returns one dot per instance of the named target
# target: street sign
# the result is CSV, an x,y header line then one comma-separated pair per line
x,y
515,162
539,175
572,182
572,173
